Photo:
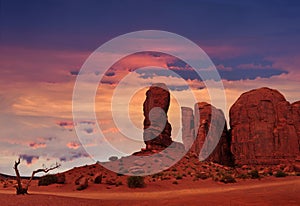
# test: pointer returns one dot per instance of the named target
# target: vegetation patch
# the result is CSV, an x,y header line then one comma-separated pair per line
x,y
47,180
135,182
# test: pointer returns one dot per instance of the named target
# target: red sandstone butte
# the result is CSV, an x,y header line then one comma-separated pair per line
x,y
157,129
212,139
264,128
212,142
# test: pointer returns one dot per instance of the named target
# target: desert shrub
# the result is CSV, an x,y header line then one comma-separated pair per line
x,y
47,180
61,178
254,174
110,182
113,158
175,182
280,173
215,178
98,179
298,174
242,176
135,182
179,177
157,175
227,179
119,183
201,175
81,187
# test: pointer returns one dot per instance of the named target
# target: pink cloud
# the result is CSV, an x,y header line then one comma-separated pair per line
x,y
73,145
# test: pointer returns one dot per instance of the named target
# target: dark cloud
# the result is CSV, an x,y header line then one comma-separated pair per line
x,y
36,145
28,158
178,88
242,74
89,130
87,122
73,155
107,81
74,73
110,74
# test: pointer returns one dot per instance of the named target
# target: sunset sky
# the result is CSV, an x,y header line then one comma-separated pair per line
x,y
43,45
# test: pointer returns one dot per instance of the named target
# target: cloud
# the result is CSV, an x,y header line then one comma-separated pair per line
x,y
29,158
66,125
72,155
89,130
73,145
223,68
36,145
239,74
74,73
254,66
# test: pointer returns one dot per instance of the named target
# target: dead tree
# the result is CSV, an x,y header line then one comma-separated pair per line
x,y
24,190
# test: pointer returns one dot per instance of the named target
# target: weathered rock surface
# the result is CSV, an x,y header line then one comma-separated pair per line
x,y
264,128
83,183
212,141
98,178
188,129
157,129
296,118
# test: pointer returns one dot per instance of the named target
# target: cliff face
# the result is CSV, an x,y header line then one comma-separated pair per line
x,y
264,128
212,142
188,129
157,129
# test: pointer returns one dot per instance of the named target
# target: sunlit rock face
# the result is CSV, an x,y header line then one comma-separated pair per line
x,y
212,140
157,129
264,128
188,129
205,133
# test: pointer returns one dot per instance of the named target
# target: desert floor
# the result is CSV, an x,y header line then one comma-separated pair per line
x,y
267,191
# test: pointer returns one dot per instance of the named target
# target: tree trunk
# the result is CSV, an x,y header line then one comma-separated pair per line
x,y
19,187
20,190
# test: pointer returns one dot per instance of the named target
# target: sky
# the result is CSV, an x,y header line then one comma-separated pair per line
x,y
44,44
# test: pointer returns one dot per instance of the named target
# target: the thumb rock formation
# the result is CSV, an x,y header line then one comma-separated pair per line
x,y
157,129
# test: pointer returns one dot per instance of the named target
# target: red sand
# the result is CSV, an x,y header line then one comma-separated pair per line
x,y
267,191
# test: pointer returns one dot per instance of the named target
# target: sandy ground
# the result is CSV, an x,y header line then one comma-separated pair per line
x,y
267,191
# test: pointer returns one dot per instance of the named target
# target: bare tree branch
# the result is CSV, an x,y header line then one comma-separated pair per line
x,y
19,188
45,170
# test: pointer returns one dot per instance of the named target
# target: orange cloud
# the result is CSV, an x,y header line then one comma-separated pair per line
x,y
73,145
